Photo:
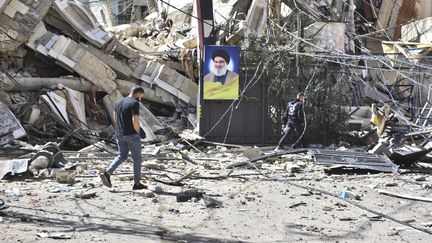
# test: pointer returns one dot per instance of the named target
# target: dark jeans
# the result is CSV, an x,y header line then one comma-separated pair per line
x,y
292,128
128,143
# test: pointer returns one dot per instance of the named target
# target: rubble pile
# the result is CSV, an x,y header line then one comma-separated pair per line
x,y
62,72
237,185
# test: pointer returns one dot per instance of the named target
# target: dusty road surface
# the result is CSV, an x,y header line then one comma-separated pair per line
x,y
288,199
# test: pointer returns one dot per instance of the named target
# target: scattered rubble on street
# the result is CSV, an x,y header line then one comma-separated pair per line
x,y
64,64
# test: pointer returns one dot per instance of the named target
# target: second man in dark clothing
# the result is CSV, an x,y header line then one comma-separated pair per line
x,y
294,120
127,130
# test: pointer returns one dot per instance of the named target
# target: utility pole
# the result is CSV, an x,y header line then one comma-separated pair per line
x,y
110,11
205,37
299,30
351,24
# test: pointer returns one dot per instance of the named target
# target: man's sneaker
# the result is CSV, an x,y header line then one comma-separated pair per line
x,y
139,186
105,177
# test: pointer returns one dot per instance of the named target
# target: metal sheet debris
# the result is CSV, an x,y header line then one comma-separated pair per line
x,y
355,160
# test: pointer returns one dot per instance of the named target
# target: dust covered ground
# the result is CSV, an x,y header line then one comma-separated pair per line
x,y
266,203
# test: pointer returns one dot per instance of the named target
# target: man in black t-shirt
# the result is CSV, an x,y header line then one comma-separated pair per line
x,y
294,120
127,130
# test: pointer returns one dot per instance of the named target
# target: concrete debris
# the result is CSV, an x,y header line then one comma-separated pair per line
x,y
144,193
82,21
10,127
65,177
211,202
18,19
86,195
326,36
76,58
256,17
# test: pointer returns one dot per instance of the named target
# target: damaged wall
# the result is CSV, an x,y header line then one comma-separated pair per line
x,y
18,20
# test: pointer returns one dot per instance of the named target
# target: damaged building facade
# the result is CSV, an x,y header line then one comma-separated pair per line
x,y
68,62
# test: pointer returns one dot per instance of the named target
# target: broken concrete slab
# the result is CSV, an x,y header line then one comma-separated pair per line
x,y
125,86
148,118
140,45
147,71
55,20
175,92
3,5
76,106
188,43
41,40
83,21
57,105
144,193
125,50
36,84
257,17
15,6
32,115
179,18
380,148
18,20
224,10
240,33
65,177
167,79
10,127
122,70
83,62
327,36
101,11
211,202
128,30
86,195
419,30
74,57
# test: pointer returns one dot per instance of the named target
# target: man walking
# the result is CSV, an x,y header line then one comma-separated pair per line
x,y
127,130
294,119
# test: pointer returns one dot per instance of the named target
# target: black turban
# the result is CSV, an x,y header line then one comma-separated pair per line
x,y
221,53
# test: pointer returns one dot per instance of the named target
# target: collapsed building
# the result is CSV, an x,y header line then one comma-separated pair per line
x,y
65,63
61,46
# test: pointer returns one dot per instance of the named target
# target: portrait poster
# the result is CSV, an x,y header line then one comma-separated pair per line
x,y
221,72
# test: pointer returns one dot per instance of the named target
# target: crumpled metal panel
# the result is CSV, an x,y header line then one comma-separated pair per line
x,y
351,159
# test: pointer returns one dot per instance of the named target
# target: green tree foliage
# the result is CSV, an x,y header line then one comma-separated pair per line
x,y
320,81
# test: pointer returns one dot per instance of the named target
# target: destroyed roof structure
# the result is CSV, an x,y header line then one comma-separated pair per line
x,y
359,170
